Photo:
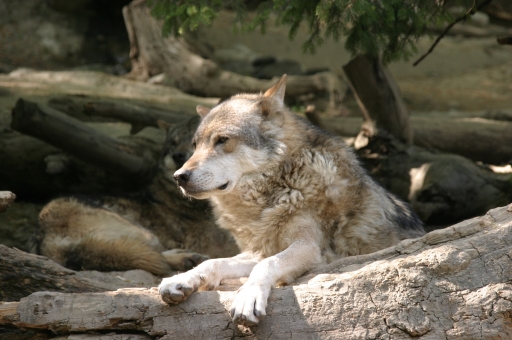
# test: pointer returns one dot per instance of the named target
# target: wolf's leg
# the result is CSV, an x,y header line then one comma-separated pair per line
x,y
250,303
208,274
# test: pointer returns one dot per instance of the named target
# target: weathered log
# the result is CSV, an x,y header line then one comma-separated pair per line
x,y
471,136
6,200
452,283
70,135
151,54
138,116
38,171
379,97
504,40
22,274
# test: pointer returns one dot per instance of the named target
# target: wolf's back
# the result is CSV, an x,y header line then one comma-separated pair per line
x,y
82,235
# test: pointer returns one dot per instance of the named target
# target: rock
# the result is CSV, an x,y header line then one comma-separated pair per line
x,y
38,36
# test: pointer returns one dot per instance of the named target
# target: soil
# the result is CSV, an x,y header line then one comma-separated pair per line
x,y
18,223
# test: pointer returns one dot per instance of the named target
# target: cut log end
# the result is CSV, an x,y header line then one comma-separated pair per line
x,y
6,200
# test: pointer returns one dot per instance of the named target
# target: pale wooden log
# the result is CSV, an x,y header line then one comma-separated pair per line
x,y
22,274
6,200
138,116
475,137
151,54
452,283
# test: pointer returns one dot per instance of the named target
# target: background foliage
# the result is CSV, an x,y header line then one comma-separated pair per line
x,y
387,29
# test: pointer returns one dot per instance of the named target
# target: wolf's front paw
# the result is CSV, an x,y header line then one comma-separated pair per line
x,y
176,288
248,308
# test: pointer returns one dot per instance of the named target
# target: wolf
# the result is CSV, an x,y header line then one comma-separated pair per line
x,y
156,230
293,196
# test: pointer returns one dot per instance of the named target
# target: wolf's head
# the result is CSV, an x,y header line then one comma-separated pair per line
x,y
237,137
177,148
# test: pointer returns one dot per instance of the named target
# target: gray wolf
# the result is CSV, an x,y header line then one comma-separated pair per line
x,y
156,230
293,196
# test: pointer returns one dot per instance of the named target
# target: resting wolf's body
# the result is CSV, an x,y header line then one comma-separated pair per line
x,y
293,196
121,233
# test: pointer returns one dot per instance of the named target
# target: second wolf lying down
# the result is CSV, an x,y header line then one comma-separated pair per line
x,y
131,232
293,196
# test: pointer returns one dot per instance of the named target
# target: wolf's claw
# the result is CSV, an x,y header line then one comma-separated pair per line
x,y
175,289
248,308
171,298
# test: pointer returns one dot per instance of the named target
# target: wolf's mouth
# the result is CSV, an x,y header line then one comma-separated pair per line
x,y
224,186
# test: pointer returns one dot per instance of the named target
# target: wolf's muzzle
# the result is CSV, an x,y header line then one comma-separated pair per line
x,y
182,176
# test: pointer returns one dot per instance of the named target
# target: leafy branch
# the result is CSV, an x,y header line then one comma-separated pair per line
x,y
386,29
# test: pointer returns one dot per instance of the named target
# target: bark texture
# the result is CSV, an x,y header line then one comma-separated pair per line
x,y
22,274
137,116
450,284
471,136
379,98
72,136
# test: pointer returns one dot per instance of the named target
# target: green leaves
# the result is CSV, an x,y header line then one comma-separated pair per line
x,y
182,16
388,29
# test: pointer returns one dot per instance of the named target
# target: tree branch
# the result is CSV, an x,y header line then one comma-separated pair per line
x,y
449,27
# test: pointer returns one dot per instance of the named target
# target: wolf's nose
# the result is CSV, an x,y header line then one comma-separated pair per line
x,y
182,176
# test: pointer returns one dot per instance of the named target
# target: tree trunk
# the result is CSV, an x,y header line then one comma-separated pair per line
x,y
379,98
152,54
450,284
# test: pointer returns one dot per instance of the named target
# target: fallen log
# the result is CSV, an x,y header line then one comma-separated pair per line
x,y
6,200
138,116
452,283
84,142
469,136
22,274
38,171
151,55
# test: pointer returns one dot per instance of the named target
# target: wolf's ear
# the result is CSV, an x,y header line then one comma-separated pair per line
x,y
202,111
277,91
162,124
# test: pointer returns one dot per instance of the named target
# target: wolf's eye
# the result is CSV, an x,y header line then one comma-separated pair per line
x,y
194,145
221,140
